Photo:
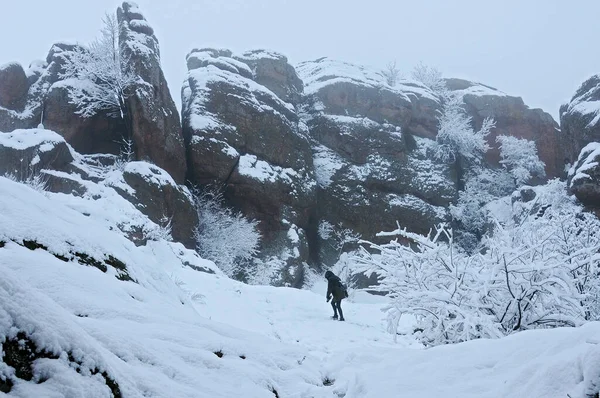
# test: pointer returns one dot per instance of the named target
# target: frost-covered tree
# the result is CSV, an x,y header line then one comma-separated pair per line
x,y
519,156
100,77
469,213
391,73
456,137
430,77
224,236
542,271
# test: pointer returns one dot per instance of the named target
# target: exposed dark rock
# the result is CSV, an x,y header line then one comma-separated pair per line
x,y
580,118
513,118
155,124
13,86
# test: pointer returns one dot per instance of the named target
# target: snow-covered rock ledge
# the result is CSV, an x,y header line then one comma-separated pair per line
x,y
24,152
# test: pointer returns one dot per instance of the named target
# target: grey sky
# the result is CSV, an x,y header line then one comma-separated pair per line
x,y
539,50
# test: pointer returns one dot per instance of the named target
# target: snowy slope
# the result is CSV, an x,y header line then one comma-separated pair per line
x,y
157,334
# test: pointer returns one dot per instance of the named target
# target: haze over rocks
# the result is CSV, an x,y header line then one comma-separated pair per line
x,y
295,147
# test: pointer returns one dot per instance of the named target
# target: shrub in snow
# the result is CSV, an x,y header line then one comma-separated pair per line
x,y
391,73
32,179
541,272
431,77
520,158
160,231
224,236
102,78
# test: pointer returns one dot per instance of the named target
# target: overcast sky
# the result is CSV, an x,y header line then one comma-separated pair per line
x,y
541,50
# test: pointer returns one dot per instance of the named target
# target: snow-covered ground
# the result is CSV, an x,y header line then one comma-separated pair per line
x,y
158,334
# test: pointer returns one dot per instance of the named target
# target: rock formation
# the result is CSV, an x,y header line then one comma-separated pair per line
x,y
512,118
242,137
155,124
580,118
371,162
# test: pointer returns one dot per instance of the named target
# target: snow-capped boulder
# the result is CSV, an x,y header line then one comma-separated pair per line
x,y
155,124
154,193
514,118
340,88
244,137
13,86
580,118
23,153
273,71
584,176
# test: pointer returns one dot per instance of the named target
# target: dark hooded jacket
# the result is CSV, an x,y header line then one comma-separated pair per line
x,y
335,287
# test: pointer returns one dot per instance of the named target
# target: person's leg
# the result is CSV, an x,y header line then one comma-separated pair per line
x,y
335,315
339,307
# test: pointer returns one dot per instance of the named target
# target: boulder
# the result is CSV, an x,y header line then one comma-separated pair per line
x,y
157,195
13,86
23,153
155,124
272,70
512,118
580,118
584,176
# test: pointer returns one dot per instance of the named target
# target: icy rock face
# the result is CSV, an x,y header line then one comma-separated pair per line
x,y
580,118
584,176
371,173
512,118
241,135
155,124
25,152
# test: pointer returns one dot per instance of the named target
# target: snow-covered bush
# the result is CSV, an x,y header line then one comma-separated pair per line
x,y
469,214
456,136
100,78
391,73
31,178
519,156
431,77
543,271
224,236
160,231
